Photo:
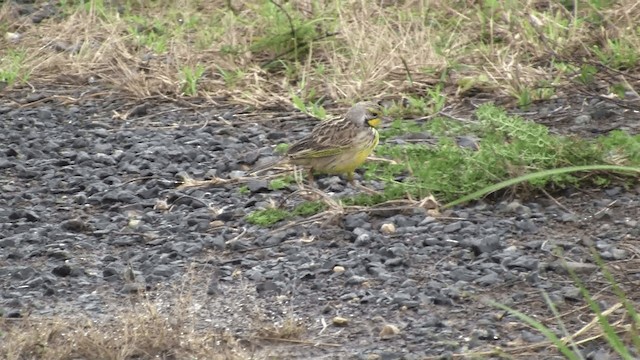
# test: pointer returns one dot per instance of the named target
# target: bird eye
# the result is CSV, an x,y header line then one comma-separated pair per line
x,y
374,111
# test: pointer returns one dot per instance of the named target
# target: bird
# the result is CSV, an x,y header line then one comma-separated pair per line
x,y
337,147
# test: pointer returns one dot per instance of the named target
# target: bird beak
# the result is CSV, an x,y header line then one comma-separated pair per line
x,y
375,122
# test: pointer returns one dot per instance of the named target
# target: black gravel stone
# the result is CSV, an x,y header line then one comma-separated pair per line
x,y
487,244
526,262
62,270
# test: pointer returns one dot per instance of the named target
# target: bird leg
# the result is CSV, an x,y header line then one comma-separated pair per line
x,y
312,181
350,178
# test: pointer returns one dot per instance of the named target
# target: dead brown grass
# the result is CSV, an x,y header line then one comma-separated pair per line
x,y
360,48
141,333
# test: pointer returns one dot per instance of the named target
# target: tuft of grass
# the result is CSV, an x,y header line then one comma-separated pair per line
x,y
313,109
191,76
288,329
268,217
309,208
281,148
12,67
620,54
230,77
280,183
142,332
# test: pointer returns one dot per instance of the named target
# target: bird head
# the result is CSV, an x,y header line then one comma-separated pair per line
x,y
366,113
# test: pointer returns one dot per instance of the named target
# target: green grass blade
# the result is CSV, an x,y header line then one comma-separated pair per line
x,y
540,174
631,311
558,318
562,347
608,331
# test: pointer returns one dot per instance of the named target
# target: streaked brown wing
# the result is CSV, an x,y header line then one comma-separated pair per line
x,y
325,140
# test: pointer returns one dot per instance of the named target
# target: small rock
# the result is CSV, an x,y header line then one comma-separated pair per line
x,y
363,240
427,220
163,270
338,269
568,217
517,208
388,331
31,216
12,37
401,298
468,142
571,293
267,287
388,228
275,135
216,224
74,225
7,243
62,270
214,286
23,272
218,242
453,227
487,244
526,262
527,226
615,191
615,254
600,354
140,110
356,220
355,280
236,174
340,321
532,337
491,278
582,119
256,186
132,288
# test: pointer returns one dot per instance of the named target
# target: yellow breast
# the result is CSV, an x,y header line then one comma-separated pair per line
x,y
352,160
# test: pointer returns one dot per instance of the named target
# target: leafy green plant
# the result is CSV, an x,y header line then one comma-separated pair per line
x,y
280,183
512,152
12,67
152,34
288,35
587,74
618,54
191,76
230,77
524,97
281,148
309,208
313,109
437,99
268,217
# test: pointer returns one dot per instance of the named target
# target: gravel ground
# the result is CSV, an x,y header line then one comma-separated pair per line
x,y
87,194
